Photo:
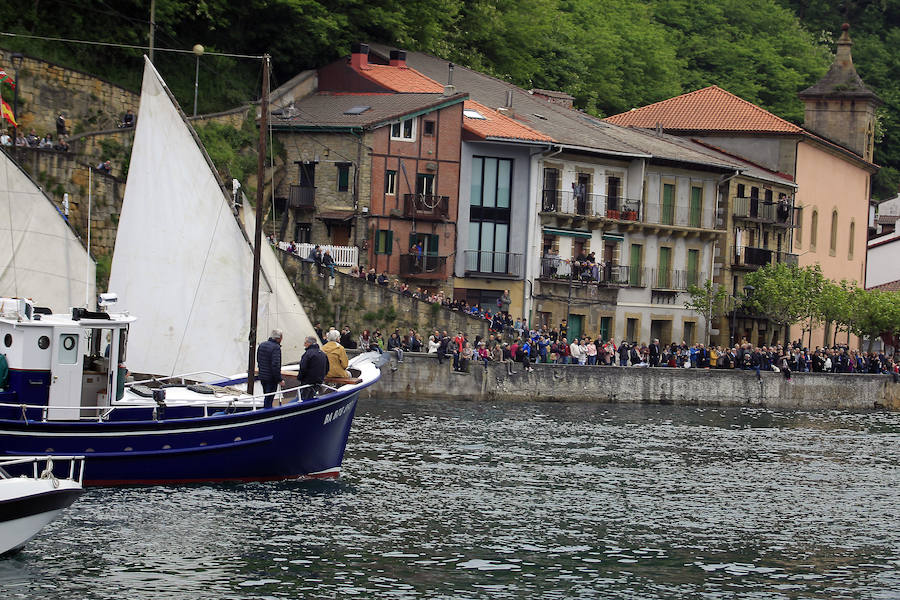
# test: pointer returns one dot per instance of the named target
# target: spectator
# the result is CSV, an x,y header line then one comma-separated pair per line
x,y
337,356
347,338
21,142
128,119
5,139
61,125
46,142
32,139
105,167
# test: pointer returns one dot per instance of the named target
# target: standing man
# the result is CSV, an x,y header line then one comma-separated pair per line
x,y
313,367
654,353
268,358
61,125
505,301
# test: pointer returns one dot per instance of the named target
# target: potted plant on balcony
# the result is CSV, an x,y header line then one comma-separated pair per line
x,y
612,213
629,215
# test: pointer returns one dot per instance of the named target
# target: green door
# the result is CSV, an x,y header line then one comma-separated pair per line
x,y
634,270
664,273
576,324
696,206
668,204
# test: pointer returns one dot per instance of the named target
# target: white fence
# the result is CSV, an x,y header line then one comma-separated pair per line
x,y
344,256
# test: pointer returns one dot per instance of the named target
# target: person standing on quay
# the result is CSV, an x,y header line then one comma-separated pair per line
x,y
268,357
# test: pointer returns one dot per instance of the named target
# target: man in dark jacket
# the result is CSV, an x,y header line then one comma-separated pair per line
x,y
313,367
654,353
268,357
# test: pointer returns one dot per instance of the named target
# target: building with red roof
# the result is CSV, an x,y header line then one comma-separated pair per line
x,y
829,159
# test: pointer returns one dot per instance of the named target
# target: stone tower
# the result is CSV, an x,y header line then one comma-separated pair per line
x,y
840,107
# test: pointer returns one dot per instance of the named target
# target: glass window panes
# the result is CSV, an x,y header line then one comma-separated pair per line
x,y
489,193
477,168
504,173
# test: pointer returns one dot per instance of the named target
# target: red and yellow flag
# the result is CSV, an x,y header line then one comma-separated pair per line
x,y
7,113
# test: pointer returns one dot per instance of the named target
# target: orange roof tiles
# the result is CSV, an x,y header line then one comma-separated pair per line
x,y
496,125
891,286
400,79
707,109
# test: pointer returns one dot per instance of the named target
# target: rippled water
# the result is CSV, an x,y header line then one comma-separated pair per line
x,y
466,500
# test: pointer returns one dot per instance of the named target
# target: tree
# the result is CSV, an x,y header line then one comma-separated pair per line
x,y
832,306
708,300
784,294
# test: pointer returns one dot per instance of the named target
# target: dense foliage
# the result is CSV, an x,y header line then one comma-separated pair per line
x,y
789,295
611,55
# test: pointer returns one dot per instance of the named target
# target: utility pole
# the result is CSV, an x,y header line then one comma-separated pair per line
x,y
152,26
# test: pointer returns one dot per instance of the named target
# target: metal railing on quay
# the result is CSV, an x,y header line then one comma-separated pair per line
x,y
503,264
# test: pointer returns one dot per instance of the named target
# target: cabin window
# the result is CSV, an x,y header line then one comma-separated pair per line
x,y
7,340
68,349
43,342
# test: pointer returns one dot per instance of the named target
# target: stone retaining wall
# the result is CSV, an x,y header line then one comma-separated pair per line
x,y
363,305
420,376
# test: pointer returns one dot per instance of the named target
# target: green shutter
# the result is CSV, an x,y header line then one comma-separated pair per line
x,y
696,206
663,279
668,205
634,272
693,263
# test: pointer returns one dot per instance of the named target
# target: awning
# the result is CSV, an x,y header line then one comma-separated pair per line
x,y
336,215
568,232
614,237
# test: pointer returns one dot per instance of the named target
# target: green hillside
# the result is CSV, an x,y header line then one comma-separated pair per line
x,y
611,55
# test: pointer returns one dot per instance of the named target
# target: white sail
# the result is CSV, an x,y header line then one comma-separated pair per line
x,y
40,256
182,263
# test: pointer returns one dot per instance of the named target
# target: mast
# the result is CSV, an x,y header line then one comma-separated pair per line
x,y
257,232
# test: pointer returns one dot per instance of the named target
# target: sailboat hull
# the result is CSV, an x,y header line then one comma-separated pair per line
x,y
291,441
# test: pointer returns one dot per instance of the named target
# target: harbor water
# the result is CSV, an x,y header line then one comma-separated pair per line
x,y
459,499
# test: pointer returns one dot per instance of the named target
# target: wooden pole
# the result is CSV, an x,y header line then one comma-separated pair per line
x,y
257,232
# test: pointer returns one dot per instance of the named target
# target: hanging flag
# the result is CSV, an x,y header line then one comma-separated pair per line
x,y
6,78
7,113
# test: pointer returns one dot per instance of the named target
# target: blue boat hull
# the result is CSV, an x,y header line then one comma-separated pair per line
x,y
290,441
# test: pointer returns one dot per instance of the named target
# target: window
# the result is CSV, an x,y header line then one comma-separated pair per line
x,y
404,130
429,128
471,113
390,183
832,245
489,215
384,241
689,331
425,184
798,236
613,192
696,205
741,190
303,233
68,349
343,177
307,174
814,230
631,328
850,241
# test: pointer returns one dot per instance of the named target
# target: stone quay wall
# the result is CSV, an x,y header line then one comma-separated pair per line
x,y
420,376
362,305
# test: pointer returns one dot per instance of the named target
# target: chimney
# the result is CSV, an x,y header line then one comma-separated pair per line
x,y
359,56
398,58
449,90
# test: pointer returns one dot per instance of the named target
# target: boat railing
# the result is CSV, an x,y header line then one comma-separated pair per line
x,y
104,412
76,466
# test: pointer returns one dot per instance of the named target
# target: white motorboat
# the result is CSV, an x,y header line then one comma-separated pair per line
x,y
32,495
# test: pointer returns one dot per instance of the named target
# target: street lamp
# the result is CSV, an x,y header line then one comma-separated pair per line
x,y
16,58
198,50
748,290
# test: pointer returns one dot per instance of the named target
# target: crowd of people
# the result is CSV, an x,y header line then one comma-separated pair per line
x,y
551,346
47,142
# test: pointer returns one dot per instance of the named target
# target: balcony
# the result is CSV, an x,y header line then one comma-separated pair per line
x,y
425,267
761,211
674,279
753,258
564,208
493,264
426,207
302,197
558,269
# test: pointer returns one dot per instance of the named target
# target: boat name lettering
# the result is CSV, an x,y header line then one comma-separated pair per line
x,y
336,414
